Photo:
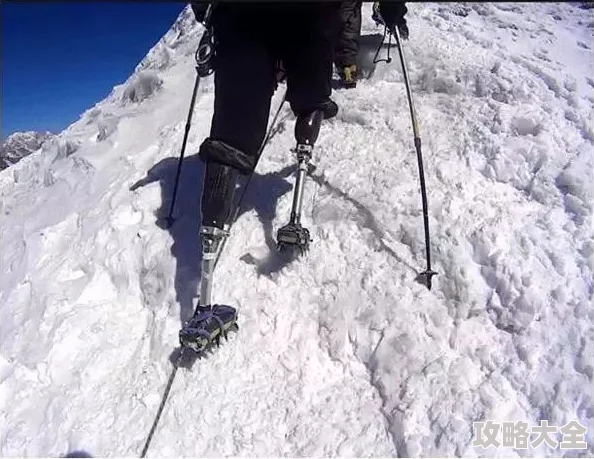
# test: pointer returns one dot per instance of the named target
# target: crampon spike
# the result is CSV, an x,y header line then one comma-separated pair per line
x,y
207,326
293,237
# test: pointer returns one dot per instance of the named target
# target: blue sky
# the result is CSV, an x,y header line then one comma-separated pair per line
x,y
58,59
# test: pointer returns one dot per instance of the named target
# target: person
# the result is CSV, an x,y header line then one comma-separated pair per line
x,y
347,42
250,39
393,17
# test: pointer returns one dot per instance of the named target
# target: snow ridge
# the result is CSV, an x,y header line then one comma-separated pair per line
x,y
21,144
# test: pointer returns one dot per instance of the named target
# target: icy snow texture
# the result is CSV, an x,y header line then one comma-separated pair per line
x,y
340,353
21,144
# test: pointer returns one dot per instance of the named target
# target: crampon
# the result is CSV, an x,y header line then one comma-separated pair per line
x,y
293,238
207,326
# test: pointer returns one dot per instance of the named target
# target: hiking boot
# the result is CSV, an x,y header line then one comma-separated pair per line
x,y
348,76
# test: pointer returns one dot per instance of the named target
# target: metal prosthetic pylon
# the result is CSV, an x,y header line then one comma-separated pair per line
x,y
294,236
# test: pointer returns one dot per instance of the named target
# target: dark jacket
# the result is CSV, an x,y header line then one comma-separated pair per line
x,y
392,11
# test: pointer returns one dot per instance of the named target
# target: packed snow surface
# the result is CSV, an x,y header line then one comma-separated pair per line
x,y
340,353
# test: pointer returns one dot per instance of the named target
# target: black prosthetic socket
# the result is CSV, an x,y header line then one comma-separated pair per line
x,y
329,109
307,127
218,192
220,152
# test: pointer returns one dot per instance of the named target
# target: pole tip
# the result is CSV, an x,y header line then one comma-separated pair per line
x,y
425,277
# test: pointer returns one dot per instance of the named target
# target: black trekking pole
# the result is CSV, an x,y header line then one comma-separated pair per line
x,y
203,69
425,276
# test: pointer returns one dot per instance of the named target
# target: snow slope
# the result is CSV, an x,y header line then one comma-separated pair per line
x,y
21,144
341,353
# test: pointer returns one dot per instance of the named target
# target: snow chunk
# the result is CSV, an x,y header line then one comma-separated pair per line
x,y
142,86
575,181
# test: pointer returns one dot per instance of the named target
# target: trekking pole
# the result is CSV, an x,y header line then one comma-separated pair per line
x,y
425,276
204,68
170,218
258,155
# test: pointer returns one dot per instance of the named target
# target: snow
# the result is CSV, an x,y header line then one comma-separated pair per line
x,y
20,144
341,353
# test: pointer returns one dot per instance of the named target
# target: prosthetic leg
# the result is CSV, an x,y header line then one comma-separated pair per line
x,y
293,237
211,322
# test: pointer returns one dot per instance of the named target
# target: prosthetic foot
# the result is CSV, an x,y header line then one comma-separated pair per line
x,y
293,237
207,327
212,322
